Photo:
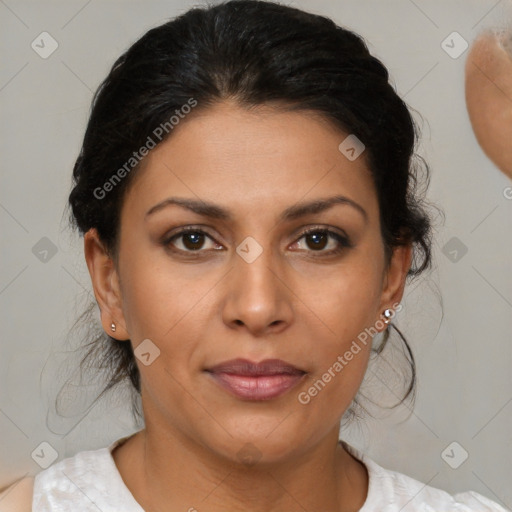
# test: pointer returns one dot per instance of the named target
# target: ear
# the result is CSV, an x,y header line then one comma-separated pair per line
x,y
105,282
394,278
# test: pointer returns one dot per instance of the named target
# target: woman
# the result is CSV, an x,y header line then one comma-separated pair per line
x,y
246,194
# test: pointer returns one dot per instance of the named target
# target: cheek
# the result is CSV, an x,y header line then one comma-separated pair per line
x,y
330,390
174,311
347,298
158,295
167,308
347,304
345,346
341,359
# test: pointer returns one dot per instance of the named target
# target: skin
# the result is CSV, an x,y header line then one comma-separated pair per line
x,y
293,302
488,87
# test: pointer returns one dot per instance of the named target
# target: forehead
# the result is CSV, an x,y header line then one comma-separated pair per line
x,y
250,157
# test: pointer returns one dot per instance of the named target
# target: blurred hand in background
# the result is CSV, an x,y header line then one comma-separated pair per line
x,y
488,86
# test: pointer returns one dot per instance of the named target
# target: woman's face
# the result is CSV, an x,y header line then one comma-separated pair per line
x,y
254,286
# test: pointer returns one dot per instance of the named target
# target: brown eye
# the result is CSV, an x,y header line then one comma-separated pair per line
x,y
193,241
318,239
190,240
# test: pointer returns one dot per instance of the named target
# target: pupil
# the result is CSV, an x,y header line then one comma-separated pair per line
x,y
195,238
318,237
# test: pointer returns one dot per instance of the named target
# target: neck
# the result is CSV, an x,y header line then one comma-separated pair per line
x,y
175,473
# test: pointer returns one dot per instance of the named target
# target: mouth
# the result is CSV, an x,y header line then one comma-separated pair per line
x,y
248,380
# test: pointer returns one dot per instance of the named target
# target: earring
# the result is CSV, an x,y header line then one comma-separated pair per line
x,y
113,327
388,314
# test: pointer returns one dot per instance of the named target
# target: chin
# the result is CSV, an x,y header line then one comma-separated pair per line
x,y
250,447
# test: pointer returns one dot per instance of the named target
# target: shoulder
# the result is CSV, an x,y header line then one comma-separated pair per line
x,y
410,495
87,481
391,491
17,497
72,483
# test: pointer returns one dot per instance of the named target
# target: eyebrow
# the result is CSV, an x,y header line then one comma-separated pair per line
x,y
214,211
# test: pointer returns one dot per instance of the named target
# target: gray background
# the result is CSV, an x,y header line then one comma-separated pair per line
x,y
464,357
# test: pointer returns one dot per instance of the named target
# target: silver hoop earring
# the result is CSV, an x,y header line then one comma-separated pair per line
x,y
113,327
388,314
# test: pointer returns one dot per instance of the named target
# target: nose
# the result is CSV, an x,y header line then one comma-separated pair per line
x,y
258,296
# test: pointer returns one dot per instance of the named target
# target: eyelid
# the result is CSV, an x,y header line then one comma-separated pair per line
x,y
344,240
176,233
328,229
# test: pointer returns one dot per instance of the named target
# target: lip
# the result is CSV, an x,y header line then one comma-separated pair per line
x,y
248,380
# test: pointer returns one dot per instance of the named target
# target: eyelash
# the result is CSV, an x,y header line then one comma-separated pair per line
x,y
343,241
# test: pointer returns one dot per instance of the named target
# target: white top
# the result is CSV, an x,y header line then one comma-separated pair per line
x,y
90,481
